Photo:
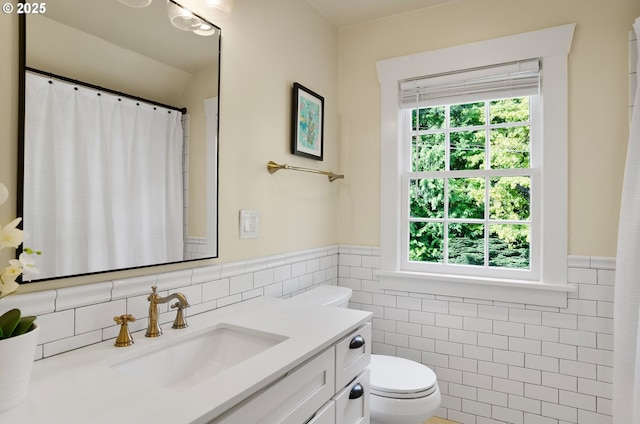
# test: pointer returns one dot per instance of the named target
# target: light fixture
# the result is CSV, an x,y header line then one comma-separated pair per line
x,y
219,9
182,18
136,3
205,29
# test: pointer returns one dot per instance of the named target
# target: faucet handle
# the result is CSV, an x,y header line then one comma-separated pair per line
x,y
124,338
180,321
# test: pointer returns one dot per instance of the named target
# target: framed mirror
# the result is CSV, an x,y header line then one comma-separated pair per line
x,y
135,182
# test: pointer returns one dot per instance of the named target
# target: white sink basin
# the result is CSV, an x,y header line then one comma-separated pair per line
x,y
186,361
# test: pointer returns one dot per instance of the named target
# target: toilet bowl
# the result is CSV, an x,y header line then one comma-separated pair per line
x,y
402,391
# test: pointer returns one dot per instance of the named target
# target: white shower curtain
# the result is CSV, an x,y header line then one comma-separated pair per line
x,y
103,180
626,367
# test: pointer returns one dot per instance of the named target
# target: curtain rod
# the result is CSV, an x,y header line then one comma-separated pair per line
x,y
183,110
272,167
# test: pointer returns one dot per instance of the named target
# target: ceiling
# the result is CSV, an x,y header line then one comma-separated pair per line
x,y
92,16
347,12
120,25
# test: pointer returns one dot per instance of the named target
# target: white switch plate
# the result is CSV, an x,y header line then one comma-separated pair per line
x,y
249,224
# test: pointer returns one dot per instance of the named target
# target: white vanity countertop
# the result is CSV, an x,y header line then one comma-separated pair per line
x,y
78,387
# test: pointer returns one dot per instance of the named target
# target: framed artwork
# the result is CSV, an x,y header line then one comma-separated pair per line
x,y
307,123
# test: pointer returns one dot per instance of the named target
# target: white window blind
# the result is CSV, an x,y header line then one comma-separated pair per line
x,y
515,79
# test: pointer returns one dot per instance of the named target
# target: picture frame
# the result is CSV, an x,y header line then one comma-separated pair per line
x,y
307,123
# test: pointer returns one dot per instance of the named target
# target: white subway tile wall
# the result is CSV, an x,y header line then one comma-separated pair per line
x,y
496,362
195,247
500,362
75,317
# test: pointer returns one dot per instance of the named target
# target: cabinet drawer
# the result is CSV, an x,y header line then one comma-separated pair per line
x,y
352,403
292,399
352,355
326,415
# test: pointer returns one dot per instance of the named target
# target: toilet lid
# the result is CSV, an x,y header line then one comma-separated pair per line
x,y
400,378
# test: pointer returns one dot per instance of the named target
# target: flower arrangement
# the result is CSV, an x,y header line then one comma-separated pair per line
x,y
12,323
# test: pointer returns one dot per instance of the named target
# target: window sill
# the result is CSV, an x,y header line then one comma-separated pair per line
x,y
504,290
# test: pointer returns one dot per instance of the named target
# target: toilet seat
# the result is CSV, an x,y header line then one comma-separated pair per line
x,y
400,378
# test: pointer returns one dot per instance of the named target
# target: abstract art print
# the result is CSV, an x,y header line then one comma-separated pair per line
x,y
307,129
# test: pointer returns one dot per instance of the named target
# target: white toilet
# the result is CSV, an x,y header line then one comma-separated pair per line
x,y
402,391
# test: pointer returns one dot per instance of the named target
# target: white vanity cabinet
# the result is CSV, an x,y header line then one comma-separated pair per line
x,y
316,373
290,400
351,406
330,388
353,354
326,414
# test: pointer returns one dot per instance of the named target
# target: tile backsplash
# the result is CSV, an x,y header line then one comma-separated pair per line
x,y
74,317
500,362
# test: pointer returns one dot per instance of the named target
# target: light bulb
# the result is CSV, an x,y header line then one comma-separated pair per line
x,y
205,29
182,18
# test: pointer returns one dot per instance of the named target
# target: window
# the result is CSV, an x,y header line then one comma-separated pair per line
x,y
467,172
474,169
468,185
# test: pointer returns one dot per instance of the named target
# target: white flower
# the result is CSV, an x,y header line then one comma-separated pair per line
x,y
28,265
10,236
8,278
7,289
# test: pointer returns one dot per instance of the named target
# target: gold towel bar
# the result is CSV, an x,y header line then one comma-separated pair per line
x,y
273,167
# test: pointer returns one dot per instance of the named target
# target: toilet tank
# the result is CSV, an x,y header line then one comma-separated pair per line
x,y
326,295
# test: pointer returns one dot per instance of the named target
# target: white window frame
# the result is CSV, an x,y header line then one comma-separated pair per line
x,y
552,47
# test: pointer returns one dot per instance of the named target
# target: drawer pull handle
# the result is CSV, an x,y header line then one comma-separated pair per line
x,y
357,342
356,391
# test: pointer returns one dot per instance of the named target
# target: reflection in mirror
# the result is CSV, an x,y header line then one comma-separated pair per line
x,y
114,177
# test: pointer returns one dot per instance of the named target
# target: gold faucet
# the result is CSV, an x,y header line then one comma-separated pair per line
x,y
153,330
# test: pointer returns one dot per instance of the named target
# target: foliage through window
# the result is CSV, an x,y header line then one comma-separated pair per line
x,y
468,184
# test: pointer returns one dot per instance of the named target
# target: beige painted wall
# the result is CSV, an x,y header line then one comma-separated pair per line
x,y
266,47
8,115
598,102
263,52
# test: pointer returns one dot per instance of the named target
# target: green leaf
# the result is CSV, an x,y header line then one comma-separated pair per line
x,y
24,326
9,321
